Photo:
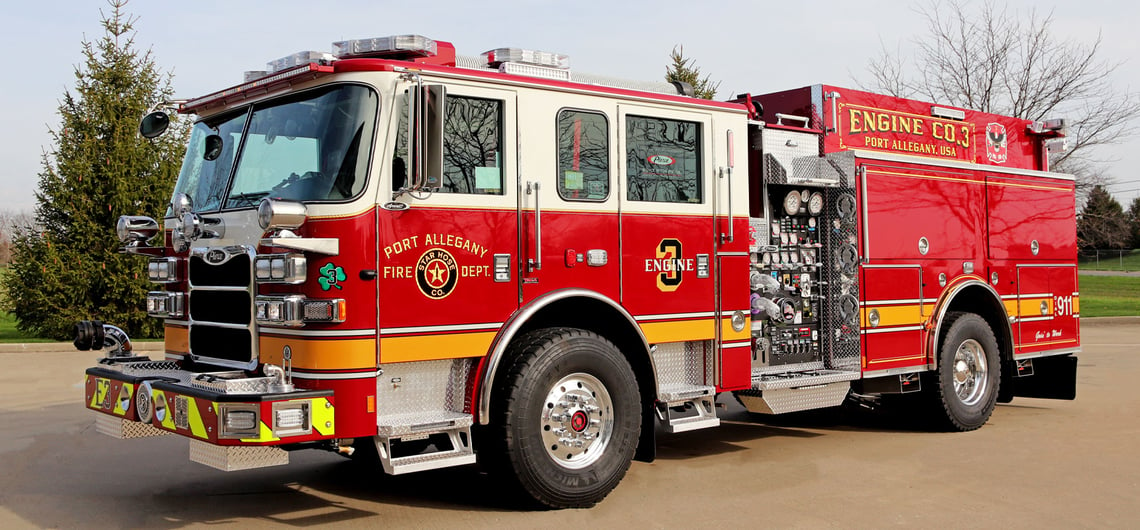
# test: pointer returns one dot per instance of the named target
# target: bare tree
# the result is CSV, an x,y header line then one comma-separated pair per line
x,y
10,223
982,57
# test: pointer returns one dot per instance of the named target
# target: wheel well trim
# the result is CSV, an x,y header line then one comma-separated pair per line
x,y
511,328
947,300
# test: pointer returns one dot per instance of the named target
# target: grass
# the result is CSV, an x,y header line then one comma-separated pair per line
x,y
8,331
1112,260
1109,296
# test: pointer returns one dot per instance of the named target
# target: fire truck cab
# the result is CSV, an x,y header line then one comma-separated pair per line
x,y
395,251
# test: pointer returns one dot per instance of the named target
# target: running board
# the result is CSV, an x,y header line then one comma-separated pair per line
x,y
419,426
796,391
697,404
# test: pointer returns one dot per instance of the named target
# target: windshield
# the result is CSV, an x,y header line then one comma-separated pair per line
x,y
312,147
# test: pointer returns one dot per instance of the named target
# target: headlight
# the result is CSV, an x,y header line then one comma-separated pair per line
x,y
275,214
238,420
280,268
295,310
165,304
162,270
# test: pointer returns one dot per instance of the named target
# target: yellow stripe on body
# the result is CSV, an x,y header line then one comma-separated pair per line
x,y
1031,307
727,333
320,354
176,339
679,331
1076,305
435,347
897,315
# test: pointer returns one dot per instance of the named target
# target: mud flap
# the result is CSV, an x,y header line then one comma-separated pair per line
x,y
1053,378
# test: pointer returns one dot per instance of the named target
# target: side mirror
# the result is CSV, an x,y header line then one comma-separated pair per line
x,y
154,124
427,112
213,147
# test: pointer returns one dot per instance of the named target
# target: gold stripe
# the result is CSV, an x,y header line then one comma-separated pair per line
x,y
1031,186
177,339
727,333
1031,307
321,354
1066,341
897,359
897,315
433,347
685,330
1076,305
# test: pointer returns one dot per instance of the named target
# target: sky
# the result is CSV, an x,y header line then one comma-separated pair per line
x,y
754,47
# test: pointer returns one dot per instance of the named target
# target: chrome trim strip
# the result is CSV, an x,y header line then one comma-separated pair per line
x,y
293,332
521,317
894,371
1035,319
371,374
909,159
1046,353
670,316
489,326
870,303
888,330
1047,265
726,345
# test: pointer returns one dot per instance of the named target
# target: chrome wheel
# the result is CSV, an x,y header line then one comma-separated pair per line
x,y
971,372
577,420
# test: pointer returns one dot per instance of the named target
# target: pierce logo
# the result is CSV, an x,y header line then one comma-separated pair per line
x,y
436,273
661,160
216,256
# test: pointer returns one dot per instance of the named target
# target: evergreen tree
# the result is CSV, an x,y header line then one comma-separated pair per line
x,y
1134,222
67,268
1102,223
683,69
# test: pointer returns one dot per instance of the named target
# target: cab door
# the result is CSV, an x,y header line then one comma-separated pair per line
x,y
568,203
667,191
450,259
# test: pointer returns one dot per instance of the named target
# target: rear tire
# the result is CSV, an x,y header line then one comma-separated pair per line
x,y
566,418
969,373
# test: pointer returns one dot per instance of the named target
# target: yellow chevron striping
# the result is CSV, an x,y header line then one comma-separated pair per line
x,y
323,416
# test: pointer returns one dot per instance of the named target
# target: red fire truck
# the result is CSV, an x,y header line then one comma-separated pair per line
x,y
435,259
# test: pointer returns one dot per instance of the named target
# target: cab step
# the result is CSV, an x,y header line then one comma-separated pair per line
x,y
684,407
779,393
422,425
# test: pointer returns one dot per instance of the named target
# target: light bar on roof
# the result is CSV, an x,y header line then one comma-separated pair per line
x,y
386,46
518,55
251,75
310,69
298,59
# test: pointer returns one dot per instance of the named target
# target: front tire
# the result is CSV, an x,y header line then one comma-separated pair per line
x,y
969,372
566,418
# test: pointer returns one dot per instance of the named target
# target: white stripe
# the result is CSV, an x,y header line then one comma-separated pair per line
x,y
675,315
891,157
1009,297
1046,353
1076,294
1037,295
869,303
355,375
489,326
317,333
889,330
1048,265
1036,319
735,345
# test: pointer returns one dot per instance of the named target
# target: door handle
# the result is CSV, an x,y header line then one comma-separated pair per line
x,y
535,263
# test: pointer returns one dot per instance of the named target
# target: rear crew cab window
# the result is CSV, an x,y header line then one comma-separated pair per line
x,y
664,160
583,156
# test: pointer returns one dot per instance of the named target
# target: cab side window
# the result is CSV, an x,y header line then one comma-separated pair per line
x,y
664,160
472,147
583,156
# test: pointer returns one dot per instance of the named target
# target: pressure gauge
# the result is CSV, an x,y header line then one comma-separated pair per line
x,y
775,228
792,203
765,258
784,238
812,222
784,258
815,203
808,257
804,195
794,256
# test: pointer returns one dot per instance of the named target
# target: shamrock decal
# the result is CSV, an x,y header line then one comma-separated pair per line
x,y
330,275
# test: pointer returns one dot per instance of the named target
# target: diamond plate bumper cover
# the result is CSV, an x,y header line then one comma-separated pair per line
x,y
784,400
235,458
124,429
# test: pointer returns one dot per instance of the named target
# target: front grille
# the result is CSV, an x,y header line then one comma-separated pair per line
x,y
221,343
228,307
221,306
233,273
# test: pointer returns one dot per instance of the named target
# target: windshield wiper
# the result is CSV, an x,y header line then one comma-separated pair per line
x,y
247,199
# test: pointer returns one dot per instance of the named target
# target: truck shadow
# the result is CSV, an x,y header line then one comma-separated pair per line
x,y
59,472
